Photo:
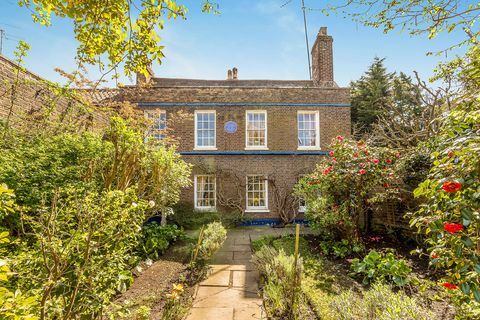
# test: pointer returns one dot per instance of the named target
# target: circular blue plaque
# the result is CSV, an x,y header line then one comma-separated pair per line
x,y
230,127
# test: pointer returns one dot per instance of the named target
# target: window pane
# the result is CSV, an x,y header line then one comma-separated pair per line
x,y
307,129
158,124
205,191
256,192
205,129
256,129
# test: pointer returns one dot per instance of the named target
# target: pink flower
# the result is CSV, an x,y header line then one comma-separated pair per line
x,y
376,161
331,153
397,154
362,171
340,138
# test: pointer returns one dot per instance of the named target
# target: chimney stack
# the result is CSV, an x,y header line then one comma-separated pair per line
x,y
229,74
143,79
235,73
322,58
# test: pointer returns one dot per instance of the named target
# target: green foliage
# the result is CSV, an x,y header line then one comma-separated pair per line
x,y
377,266
449,218
279,271
82,252
378,303
120,30
415,17
343,248
157,238
13,303
262,242
345,186
7,201
184,215
379,93
214,235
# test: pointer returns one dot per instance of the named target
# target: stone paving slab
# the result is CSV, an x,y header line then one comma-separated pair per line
x,y
231,290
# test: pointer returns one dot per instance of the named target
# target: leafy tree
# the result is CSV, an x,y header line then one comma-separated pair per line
x,y
417,17
116,31
379,94
371,95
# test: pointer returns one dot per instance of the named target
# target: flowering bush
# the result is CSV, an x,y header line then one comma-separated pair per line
x,y
450,217
340,194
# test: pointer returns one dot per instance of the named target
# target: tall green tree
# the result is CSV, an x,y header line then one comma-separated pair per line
x,y
113,32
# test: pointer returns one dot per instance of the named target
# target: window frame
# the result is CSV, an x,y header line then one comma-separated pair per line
x,y
317,130
149,133
265,146
257,209
195,192
196,146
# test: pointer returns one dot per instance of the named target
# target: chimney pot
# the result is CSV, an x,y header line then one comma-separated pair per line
x,y
235,73
143,79
229,74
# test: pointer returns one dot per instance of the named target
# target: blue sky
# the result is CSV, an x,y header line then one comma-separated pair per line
x,y
260,38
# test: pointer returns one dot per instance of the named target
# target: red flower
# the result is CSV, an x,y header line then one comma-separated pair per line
x,y
452,227
362,171
451,186
449,285
339,138
327,170
366,152
386,185
388,161
450,154
376,161
434,256
331,153
312,182
355,155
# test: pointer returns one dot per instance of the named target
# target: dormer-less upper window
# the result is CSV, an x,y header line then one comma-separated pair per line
x,y
308,123
205,129
158,123
256,129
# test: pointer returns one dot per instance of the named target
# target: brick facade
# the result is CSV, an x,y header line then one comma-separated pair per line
x,y
281,162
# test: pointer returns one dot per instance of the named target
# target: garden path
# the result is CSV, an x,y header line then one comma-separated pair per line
x,y
230,292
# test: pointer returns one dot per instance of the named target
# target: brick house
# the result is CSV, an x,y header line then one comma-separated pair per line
x,y
250,140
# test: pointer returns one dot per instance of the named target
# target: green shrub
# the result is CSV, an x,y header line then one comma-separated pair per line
x,y
378,303
157,238
279,272
185,216
261,242
214,235
383,267
264,257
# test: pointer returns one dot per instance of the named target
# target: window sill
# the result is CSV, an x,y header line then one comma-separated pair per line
x,y
206,209
257,211
309,148
205,148
256,148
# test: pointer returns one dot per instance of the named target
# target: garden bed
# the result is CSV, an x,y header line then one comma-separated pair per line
x,y
150,287
331,291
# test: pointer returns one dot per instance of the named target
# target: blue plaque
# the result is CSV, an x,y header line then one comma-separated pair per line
x,y
230,127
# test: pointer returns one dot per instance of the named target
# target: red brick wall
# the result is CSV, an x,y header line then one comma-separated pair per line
x,y
281,126
232,170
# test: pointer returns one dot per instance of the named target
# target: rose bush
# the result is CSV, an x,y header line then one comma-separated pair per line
x,y
341,192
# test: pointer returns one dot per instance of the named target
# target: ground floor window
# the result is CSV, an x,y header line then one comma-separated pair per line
x,y
205,191
257,193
